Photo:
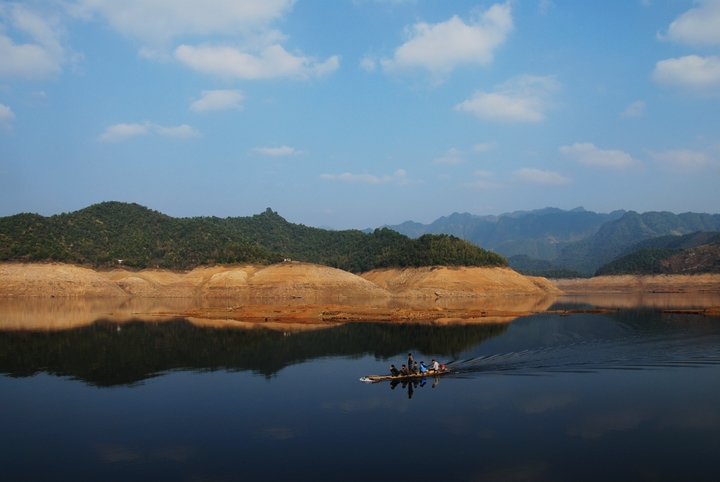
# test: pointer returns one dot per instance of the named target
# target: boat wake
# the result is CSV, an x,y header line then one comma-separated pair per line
x,y
638,351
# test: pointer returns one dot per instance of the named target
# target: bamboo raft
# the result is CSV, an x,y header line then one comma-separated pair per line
x,y
380,378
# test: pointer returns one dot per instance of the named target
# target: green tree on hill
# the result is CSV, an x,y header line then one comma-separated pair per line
x,y
104,233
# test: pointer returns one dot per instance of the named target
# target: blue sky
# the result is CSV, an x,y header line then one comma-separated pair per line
x,y
358,113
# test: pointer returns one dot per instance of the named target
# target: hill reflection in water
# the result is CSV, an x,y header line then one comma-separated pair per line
x,y
66,313
107,353
552,396
125,341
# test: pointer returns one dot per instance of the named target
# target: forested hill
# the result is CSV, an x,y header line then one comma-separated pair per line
x,y
689,254
614,238
101,234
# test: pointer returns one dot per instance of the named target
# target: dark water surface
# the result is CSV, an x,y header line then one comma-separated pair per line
x,y
631,395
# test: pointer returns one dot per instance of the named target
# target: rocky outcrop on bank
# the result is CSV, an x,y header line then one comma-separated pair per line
x,y
289,280
453,282
55,280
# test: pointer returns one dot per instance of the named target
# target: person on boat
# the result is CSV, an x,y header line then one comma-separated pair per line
x,y
404,370
435,365
422,366
410,361
416,369
394,371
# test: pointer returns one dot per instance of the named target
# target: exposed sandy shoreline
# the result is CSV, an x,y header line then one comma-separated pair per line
x,y
300,296
700,283
278,281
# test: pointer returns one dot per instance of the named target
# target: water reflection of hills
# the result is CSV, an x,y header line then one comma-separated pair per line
x,y
106,354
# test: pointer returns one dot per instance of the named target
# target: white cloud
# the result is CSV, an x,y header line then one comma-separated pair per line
x,y
368,64
697,26
544,6
682,160
586,153
536,176
6,115
483,184
119,132
239,41
183,131
441,47
481,173
452,156
43,57
399,176
218,100
691,71
276,151
636,109
159,21
273,61
523,99
484,146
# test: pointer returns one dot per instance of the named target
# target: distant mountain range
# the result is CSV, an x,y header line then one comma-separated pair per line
x,y
540,234
567,242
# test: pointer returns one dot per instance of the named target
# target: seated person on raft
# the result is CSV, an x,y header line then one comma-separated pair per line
x,y
416,369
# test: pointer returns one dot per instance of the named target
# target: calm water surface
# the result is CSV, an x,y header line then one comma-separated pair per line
x,y
631,395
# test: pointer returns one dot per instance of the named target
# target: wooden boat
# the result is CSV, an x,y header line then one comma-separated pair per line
x,y
380,378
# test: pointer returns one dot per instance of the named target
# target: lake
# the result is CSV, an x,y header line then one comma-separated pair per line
x,y
631,394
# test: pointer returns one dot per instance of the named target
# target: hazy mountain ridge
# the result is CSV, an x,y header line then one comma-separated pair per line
x,y
576,241
541,233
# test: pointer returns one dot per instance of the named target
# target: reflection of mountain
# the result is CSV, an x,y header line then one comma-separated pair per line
x,y
107,354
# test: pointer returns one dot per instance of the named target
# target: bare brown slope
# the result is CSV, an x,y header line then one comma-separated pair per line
x,y
287,280
458,282
642,284
153,283
55,280
283,280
